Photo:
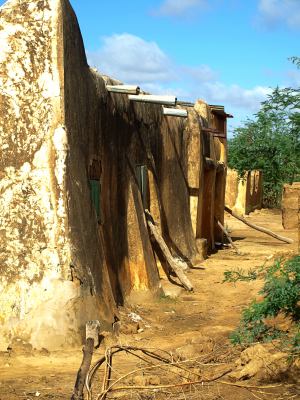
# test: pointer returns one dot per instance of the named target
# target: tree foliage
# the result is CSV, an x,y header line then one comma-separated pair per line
x,y
271,142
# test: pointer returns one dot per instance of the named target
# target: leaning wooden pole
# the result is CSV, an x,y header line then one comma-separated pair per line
x,y
229,238
258,228
167,254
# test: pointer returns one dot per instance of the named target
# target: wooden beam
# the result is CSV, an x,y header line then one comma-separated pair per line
x,y
175,112
220,134
215,132
150,98
185,104
124,89
210,130
209,163
258,228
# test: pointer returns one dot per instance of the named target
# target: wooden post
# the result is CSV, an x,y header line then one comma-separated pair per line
x,y
92,340
259,228
177,268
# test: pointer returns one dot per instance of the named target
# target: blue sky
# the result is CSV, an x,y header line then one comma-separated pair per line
x,y
224,51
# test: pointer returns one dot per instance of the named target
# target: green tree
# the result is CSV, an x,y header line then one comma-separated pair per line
x,y
271,142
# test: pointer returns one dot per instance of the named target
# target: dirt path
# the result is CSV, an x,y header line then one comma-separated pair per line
x,y
201,320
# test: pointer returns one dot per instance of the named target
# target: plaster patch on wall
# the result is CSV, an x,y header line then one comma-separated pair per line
x,y
52,299
60,142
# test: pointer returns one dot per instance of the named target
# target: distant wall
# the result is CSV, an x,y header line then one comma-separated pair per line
x,y
290,205
244,194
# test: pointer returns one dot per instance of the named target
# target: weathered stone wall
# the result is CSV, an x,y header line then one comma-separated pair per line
x,y
290,205
61,263
244,194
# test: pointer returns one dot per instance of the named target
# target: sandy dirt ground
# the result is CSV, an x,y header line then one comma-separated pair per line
x,y
193,326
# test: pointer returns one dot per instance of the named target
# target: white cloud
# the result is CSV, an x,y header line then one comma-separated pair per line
x,y
179,7
274,12
132,59
236,96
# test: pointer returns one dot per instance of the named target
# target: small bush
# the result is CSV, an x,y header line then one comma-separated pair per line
x,y
280,296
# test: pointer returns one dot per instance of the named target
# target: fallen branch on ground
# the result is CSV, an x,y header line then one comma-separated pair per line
x,y
166,361
198,382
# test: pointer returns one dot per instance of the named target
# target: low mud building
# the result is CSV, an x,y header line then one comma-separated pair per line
x,y
79,165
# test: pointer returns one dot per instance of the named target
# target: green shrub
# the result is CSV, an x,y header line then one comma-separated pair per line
x,y
280,295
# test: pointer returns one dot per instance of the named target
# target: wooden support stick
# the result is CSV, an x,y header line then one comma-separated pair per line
x,y
167,254
92,340
229,238
258,228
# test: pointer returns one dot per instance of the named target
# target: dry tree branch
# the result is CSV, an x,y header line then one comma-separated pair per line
x,y
202,382
164,363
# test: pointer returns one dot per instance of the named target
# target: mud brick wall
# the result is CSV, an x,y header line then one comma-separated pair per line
x,y
244,194
290,205
49,285
64,259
